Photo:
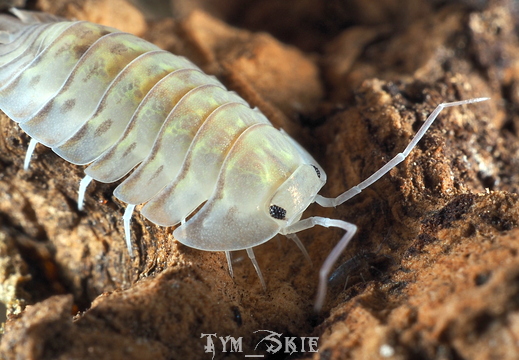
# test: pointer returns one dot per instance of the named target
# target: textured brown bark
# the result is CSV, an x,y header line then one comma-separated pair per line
x,y
434,269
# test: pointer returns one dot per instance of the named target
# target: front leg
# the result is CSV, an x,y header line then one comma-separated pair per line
x,y
327,266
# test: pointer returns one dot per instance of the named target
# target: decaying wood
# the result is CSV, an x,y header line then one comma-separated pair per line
x,y
353,90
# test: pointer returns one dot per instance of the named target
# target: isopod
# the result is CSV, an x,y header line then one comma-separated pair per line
x,y
124,107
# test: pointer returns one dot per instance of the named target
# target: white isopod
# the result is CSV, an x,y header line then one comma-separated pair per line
x,y
102,97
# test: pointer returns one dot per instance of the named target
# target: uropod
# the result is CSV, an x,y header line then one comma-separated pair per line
x,y
196,155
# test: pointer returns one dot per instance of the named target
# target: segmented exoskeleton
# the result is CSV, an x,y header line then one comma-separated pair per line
x,y
123,106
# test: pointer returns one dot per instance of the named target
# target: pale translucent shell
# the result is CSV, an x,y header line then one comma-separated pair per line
x,y
260,160
197,178
139,136
109,99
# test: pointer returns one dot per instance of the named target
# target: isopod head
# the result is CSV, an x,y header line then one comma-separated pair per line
x,y
265,185
296,194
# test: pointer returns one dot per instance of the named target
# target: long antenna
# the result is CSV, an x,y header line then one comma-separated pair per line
x,y
357,189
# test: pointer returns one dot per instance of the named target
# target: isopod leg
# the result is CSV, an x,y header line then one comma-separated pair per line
x,y
28,154
332,202
83,184
126,221
256,266
300,245
326,268
229,263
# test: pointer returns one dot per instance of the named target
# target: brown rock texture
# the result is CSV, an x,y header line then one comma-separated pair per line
x,y
433,272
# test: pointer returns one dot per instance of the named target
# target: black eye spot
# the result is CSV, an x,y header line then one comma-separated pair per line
x,y
317,171
277,212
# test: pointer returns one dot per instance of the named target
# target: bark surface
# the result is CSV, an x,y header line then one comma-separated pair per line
x,y
433,272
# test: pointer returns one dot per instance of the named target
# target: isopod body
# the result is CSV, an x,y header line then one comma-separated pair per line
x,y
124,107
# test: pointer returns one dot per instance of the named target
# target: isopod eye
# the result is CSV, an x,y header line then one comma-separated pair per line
x,y
277,212
317,171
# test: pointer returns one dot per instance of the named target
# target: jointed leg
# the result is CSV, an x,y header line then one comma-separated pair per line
x,y
81,192
256,266
326,268
126,217
126,221
28,154
300,245
229,263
